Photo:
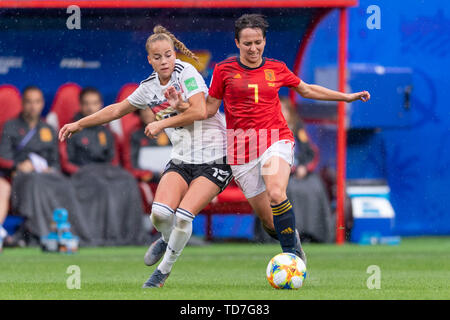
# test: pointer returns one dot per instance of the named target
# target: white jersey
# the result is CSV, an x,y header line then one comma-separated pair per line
x,y
201,142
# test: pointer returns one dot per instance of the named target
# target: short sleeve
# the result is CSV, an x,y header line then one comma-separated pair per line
x,y
192,82
289,78
216,86
137,98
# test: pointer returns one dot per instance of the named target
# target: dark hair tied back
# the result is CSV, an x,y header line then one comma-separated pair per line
x,y
254,21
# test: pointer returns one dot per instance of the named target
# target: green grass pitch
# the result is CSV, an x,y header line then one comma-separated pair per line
x,y
419,268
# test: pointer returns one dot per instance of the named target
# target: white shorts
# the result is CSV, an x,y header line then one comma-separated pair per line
x,y
249,176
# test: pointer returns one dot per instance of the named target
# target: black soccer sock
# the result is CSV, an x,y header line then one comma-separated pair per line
x,y
284,221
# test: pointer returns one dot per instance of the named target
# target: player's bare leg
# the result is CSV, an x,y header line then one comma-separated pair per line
x,y
171,190
276,172
201,191
261,206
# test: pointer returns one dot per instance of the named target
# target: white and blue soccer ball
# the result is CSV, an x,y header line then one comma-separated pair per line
x,y
286,271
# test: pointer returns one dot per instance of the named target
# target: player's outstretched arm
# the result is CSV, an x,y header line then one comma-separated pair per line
x,y
196,110
316,92
105,115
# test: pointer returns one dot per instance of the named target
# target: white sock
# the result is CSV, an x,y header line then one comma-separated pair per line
x,y
3,232
162,218
178,239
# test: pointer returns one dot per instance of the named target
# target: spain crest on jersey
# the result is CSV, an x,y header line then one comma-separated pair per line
x,y
270,74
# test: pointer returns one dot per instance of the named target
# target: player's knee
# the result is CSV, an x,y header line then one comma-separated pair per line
x,y
161,213
183,224
276,194
184,220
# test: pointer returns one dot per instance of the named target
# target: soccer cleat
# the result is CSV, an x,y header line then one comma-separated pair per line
x,y
155,252
156,280
298,247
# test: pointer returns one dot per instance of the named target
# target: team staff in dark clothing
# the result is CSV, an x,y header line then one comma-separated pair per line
x,y
14,155
108,195
93,145
29,155
28,134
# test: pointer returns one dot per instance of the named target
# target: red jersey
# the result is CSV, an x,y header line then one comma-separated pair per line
x,y
252,105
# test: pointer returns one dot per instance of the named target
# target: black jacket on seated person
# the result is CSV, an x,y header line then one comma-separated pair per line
x,y
108,195
35,195
91,145
13,148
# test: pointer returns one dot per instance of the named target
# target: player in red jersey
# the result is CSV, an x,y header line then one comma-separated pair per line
x,y
259,142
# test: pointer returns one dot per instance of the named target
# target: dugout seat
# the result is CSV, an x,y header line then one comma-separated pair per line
x,y
65,105
10,103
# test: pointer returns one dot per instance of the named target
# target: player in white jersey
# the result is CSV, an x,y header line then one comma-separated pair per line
x,y
197,171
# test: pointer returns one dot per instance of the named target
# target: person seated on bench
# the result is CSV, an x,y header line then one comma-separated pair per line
x,y
108,194
29,157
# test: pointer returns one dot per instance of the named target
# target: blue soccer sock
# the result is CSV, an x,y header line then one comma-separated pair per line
x,y
284,222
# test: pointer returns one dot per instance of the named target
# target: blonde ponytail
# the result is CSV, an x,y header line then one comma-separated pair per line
x,y
161,33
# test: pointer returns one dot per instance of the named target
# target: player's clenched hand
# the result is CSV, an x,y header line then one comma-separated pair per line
x,y
69,130
363,96
175,99
152,129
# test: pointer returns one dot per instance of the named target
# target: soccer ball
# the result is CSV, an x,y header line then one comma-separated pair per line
x,y
286,271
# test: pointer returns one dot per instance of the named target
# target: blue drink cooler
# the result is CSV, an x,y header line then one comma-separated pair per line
x,y
373,215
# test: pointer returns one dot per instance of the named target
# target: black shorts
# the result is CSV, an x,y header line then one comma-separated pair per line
x,y
219,173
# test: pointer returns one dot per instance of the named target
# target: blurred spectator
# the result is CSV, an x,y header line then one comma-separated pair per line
x,y
314,218
92,145
328,175
108,194
29,156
